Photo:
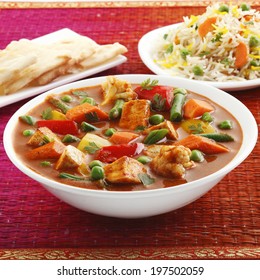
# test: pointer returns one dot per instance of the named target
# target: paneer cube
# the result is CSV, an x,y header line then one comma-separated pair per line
x,y
70,158
43,135
124,170
135,113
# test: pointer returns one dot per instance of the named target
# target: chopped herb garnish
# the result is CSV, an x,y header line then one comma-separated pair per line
x,y
92,148
217,38
195,129
148,84
92,117
158,102
169,49
225,61
140,128
146,179
204,53
165,36
64,175
47,113
80,93
69,138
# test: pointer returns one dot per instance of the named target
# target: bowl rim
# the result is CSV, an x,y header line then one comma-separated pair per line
x,y
133,78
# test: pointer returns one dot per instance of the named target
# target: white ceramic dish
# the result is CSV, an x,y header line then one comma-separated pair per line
x,y
32,91
146,50
140,203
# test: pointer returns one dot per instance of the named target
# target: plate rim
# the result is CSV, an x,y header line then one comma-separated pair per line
x,y
143,46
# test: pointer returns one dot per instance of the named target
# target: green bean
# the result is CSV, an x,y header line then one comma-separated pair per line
x,y
110,131
55,101
196,156
87,127
224,8
197,70
178,102
116,111
28,119
69,138
206,117
227,124
95,163
219,137
89,100
156,119
245,7
144,159
28,132
155,136
97,173
66,98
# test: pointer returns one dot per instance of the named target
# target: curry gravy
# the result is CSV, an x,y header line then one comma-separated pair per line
x,y
211,164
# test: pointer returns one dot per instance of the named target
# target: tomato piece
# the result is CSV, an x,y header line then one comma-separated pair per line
x,y
111,153
60,126
160,96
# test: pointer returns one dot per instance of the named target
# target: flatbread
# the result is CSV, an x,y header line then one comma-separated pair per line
x,y
102,54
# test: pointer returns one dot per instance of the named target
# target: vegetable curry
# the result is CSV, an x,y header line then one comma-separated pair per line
x,y
118,136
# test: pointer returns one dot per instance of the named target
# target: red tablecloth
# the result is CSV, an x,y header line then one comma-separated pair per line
x,y
224,223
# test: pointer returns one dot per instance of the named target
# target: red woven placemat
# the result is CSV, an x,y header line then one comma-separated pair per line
x,y
225,223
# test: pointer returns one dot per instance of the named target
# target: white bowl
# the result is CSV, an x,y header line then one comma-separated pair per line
x,y
149,202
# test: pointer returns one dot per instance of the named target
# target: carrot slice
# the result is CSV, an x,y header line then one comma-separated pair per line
x,y
123,137
207,26
51,150
194,108
241,55
205,145
86,112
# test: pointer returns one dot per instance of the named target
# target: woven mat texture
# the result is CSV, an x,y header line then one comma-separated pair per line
x,y
30,217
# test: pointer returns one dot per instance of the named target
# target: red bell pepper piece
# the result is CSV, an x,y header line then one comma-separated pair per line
x,y
161,96
60,126
114,152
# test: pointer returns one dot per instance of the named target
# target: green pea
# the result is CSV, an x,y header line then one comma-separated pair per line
x,y
245,7
156,119
184,53
197,70
97,173
227,124
254,41
28,132
254,63
206,117
155,136
144,159
110,131
45,163
94,163
89,100
224,8
66,98
196,156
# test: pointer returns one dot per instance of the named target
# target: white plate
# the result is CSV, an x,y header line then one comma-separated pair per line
x,y
146,50
32,91
137,204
